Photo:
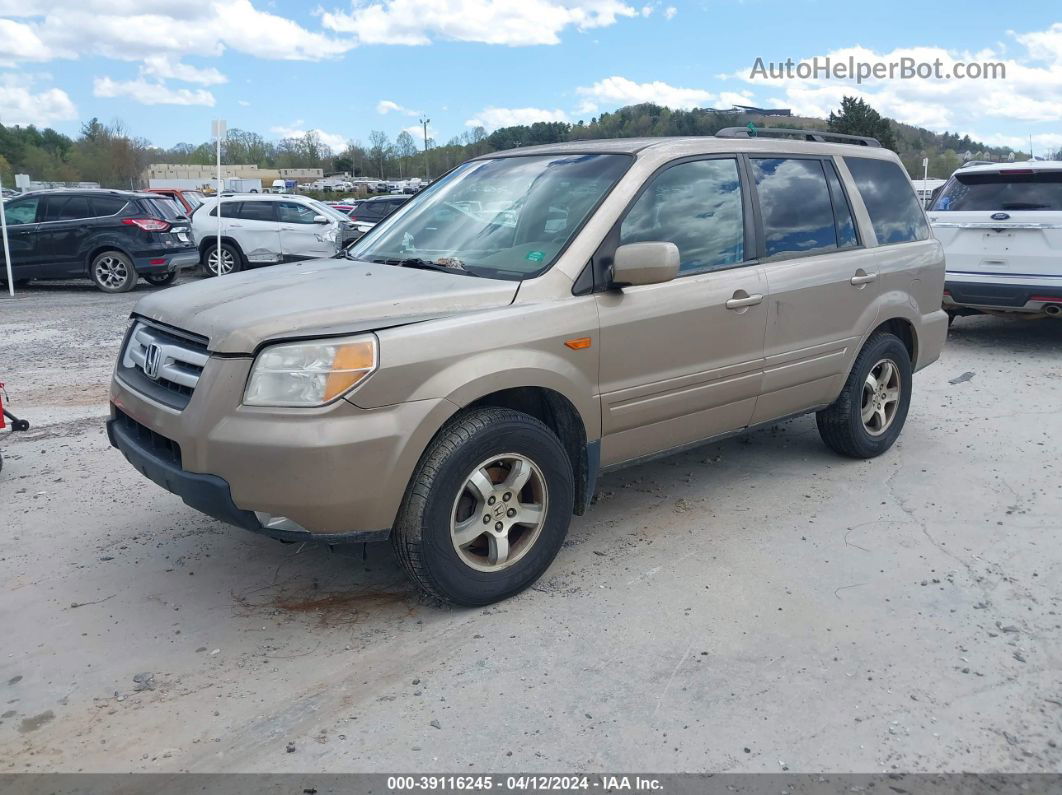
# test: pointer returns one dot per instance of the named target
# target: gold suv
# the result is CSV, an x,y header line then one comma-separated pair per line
x,y
533,318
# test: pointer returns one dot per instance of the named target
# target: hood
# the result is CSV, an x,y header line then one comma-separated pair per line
x,y
238,312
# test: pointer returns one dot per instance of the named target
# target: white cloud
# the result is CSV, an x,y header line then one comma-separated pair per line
x,y
529,22
243,103
20,105
418,133
132,30
163,67
621,91
493,118
669,12
1029,93
646,11
337,142
385,106
149,92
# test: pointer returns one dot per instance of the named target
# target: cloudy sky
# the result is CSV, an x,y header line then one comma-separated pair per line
x,y
345,67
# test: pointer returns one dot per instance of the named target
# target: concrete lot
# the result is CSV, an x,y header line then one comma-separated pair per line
x,y
756,605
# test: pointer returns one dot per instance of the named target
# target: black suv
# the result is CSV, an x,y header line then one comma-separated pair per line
x,y
111,236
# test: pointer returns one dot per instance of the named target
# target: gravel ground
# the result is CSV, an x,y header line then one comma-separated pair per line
x,y
756,605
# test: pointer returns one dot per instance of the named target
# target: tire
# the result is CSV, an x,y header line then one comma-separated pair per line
x,y
230,256
441,502
842,426
113,272
161,279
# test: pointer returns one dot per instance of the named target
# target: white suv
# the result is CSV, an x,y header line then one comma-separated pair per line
x,y
264,229
1001,227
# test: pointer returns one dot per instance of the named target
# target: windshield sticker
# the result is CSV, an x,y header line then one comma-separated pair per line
x,y
536,256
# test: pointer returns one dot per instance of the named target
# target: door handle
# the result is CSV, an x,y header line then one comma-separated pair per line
x,y
741,300
862,278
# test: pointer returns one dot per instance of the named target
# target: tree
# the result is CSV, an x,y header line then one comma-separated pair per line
x,y
379,151
858,118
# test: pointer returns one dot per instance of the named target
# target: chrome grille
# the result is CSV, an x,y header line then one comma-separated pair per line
x,y
163,365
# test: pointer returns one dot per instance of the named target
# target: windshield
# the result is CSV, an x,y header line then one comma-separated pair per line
x,y
194,198
506,218
1002,190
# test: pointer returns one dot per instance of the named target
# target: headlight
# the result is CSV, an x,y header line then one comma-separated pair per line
x,y
310,373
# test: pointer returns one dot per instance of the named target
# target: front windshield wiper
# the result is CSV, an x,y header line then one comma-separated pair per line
x,y
423,264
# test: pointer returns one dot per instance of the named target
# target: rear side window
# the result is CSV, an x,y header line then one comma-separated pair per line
x,y
696,206
164,208
228,210
842,211
890,200
256,211
293,213
107,205
66,208
796,206
1012,189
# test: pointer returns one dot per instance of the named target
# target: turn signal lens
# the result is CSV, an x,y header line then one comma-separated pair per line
x,y
578,344
308,374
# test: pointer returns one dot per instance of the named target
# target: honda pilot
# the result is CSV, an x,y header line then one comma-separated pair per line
x,y
532,319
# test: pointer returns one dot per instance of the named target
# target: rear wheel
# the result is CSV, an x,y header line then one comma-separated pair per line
x,y
870,412
487,509
229,260
161,279
113,272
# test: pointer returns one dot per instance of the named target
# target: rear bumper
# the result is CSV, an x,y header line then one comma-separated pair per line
x,y
1001,294
166,260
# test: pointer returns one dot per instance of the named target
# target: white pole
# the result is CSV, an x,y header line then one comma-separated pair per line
x,y
925,180
7,249
218,252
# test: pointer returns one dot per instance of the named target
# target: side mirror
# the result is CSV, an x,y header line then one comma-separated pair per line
x,y
645,263
321,219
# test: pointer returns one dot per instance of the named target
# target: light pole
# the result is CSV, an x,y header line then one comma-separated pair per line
x,y
218,129
424,122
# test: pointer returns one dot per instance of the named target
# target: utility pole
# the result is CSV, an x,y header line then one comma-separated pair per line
x,y
424,122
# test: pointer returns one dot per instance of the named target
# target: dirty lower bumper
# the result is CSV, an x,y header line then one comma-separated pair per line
x,y
1025,295
159,461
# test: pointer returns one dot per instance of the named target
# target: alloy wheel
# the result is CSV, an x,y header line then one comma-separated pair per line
x,y
881,397
111,272
228,261
499,512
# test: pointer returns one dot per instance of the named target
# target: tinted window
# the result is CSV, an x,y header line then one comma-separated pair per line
x,y
164,208
292,213
1040,190
890,200
107,205
696,206
846,234
66,208
22,211
256,211
796,206
228,210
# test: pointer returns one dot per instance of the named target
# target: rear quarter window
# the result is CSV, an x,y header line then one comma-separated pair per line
x,y
890,200
103,206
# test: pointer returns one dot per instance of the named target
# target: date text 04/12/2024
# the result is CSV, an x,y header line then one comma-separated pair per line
x,y
528,783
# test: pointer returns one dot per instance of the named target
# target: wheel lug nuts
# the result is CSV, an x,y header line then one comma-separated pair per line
x,y
498,527
491,500
507,496
511,512
486,519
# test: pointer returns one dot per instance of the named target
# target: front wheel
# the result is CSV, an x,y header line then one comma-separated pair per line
x,y
113,272
229,260
869,414
161,279
487,508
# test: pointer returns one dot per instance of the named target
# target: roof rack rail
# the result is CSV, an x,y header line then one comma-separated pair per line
x,y
822,136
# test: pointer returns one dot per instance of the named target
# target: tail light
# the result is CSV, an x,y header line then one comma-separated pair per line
x,y
148,224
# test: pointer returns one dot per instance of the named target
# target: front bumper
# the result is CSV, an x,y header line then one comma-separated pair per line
x,y
338,472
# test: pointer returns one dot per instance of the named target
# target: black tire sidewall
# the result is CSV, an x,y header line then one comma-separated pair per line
x,y
129,283
161,280
885,347
449,573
